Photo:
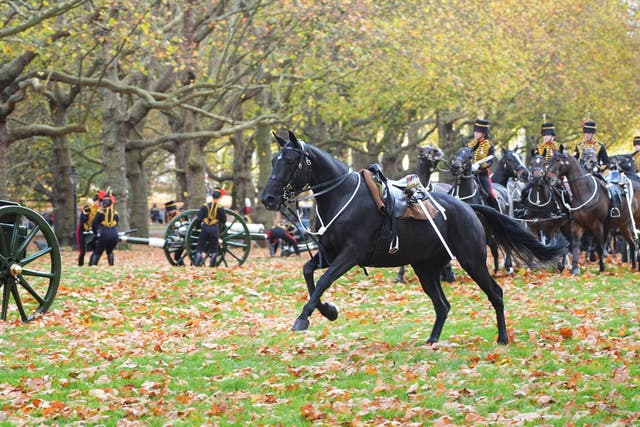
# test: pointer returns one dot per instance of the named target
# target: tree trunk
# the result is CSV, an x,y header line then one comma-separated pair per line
x,y
138,184
263,151
65,211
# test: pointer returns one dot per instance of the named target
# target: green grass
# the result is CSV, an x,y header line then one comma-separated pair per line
x,y
160,345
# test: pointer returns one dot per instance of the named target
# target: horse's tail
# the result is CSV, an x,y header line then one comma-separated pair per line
x,y
512,237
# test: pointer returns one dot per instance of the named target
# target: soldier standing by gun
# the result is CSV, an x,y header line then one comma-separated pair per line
x,y
211,218
105,228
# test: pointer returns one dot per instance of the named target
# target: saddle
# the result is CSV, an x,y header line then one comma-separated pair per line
x,y
396,197
616,188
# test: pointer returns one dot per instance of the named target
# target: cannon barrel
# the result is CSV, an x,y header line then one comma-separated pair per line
x,y
154,242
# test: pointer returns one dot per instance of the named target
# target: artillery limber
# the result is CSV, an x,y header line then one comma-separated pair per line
x,y
30,265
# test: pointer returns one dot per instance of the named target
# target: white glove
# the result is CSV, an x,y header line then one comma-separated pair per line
x,y
595,169
475,167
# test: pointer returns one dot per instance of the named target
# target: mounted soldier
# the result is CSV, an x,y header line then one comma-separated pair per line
x,y
547,148
589,142
483,159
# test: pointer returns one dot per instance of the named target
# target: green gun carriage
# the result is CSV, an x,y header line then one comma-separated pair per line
x,y
181,237
30,265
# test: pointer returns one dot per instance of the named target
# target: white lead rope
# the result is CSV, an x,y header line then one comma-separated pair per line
x,y
435,227
323,228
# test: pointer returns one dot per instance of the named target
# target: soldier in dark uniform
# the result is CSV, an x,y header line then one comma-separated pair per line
x,y
636,153
211,218
589,141
105,229
87,213
282,232
483,148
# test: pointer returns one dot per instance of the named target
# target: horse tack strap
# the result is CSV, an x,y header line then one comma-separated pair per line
x,y
413,211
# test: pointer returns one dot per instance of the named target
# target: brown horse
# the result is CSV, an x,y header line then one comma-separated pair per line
x,y
590,205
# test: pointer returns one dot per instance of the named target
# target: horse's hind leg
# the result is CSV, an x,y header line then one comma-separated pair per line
x,y
476,267
326,309
429,275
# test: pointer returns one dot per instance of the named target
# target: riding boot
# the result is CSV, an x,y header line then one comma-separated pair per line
x,y
93,260
198,259
212,260
110,258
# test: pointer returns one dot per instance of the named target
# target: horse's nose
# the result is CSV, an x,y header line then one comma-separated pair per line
x,y
269,202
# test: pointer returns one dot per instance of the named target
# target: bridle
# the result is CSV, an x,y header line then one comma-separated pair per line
x,y
291,187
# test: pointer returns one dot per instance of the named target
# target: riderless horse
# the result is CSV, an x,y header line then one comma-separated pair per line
x,y
353,231
590,205
511,174
468,189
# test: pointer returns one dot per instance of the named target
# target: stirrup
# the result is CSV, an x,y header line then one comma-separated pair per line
x,y
615,212
395,245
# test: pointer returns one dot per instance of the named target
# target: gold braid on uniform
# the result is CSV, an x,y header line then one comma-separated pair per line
x,y
550,149
93,210
109,217
211,214
481,151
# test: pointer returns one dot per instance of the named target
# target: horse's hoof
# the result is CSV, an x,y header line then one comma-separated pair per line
x,y
399,279
329,311
300,325
432,340
575,271
509,271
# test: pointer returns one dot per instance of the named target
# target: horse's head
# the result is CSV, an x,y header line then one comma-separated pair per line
x,y
428,158
589,159
514,167
559,165
622,162
291,168
537,168
461,162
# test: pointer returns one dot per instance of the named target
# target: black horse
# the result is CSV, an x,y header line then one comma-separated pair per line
x,y
511,174
355,233
468,189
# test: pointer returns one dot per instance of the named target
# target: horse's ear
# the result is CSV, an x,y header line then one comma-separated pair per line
x,y
293,139
280,140
534,152
561,149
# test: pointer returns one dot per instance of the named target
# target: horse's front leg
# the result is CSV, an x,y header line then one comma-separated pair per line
x,y
326,309
339,266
